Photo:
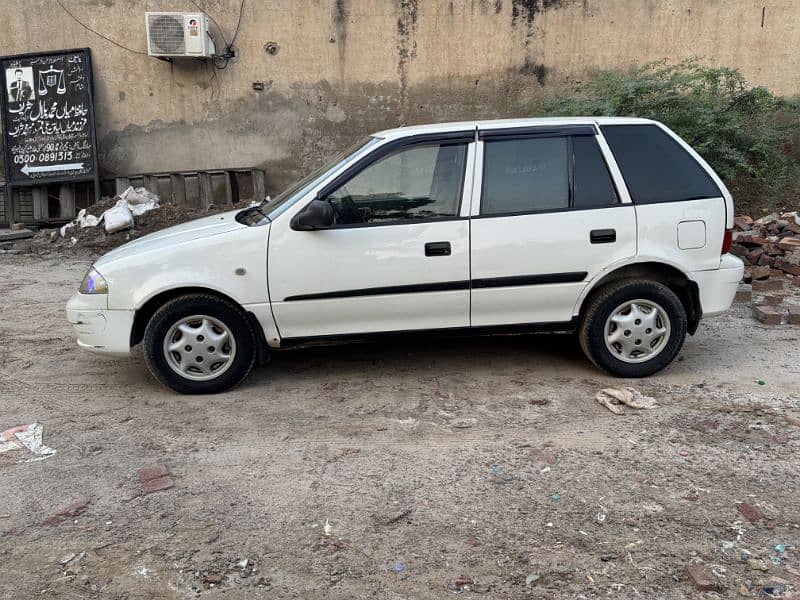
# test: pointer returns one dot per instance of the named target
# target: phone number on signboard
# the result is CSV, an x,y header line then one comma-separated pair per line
x,y
43,157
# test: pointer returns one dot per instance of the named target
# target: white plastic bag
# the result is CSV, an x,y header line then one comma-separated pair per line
x,y
140,200
26,437
118,217
64,229
83,220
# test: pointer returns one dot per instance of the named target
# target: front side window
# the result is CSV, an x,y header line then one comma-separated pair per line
x,y
655,167
296,190
414,183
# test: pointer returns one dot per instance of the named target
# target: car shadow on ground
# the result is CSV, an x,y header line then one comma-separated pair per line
x,y
454,354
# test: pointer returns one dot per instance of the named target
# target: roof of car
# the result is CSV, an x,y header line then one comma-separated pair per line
x,y
411,130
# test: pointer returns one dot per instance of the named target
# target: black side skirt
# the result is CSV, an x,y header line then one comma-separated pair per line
x,y
525,328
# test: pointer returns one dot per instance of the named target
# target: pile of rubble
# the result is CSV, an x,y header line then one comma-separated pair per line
x,y
114,221
770,249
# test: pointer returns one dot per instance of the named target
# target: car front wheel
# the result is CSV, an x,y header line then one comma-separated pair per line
x,y
199,344
633,328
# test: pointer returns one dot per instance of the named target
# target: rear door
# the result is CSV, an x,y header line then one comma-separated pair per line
x,y
546,219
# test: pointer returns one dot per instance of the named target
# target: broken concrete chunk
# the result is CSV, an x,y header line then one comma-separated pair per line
x,y
9,235
767,315
158,484
65,512
155,479
153,472
701,577
770,285
744,293
749,512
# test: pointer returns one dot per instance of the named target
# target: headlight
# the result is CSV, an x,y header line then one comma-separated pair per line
x,y
93,283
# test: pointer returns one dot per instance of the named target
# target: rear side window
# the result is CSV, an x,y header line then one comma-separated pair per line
x,y
525,175
655,167
544,173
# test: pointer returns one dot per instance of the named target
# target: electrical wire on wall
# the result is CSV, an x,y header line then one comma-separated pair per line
x,y
108,39
220,61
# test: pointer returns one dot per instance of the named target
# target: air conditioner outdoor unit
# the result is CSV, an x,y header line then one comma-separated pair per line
x,y
177,35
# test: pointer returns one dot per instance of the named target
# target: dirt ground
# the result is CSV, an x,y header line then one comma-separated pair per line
x,y
481,466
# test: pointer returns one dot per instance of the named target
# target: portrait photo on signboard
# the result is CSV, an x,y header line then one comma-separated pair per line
x,y
20,84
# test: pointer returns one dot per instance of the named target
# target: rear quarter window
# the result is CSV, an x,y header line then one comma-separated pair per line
x,y
655,167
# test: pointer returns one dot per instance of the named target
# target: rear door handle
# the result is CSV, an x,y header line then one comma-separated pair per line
x,y
437,249
603,236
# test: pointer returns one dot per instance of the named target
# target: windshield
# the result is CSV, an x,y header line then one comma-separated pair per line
x,y
311,179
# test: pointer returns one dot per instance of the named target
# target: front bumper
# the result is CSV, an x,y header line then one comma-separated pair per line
x,y
718,286
99,329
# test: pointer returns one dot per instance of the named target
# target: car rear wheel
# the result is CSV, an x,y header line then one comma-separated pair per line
x,y
199,344
633,328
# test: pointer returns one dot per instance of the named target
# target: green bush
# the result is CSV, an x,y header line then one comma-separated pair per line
x,y
747,134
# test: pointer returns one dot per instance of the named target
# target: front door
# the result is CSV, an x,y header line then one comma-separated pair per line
x,y
547,218
397,257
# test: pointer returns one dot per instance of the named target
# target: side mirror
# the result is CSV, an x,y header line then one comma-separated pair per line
x,y
317,215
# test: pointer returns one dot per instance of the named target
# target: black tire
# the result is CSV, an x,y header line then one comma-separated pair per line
x,y
608,299
217,308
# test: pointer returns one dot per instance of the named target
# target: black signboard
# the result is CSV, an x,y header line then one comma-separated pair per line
x,y
48,118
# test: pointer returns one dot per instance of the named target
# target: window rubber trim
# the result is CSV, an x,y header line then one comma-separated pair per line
x,y
536,131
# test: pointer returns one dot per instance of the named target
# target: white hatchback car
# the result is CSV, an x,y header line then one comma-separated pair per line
x,y
611,227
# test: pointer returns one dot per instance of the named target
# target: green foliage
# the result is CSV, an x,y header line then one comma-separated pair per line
x,y
745,133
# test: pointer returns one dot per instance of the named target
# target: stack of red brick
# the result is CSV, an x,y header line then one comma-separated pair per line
x,y
770,249
769,246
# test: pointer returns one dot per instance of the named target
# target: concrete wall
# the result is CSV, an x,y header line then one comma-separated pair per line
x,y
344,68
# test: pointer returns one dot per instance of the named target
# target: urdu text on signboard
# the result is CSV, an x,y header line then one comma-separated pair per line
x,y
48,117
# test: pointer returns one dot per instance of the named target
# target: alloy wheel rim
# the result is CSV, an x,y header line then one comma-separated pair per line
x,y
199,347
637,331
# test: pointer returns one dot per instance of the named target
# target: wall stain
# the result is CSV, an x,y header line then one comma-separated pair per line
x,y
537,70
526,11
341,16
406,49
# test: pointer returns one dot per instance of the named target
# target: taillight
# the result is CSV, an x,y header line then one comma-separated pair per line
x,y
727,241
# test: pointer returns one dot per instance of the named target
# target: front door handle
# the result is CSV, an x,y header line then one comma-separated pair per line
x,y
603,236
437,249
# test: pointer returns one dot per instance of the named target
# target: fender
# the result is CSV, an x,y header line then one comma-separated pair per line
x,y
616,266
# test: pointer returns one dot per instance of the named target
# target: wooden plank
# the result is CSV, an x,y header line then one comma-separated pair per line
x,y
3,207
259,184
231,187
150,183
66,201
177,188
121,184
23,205
41,207
206,191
